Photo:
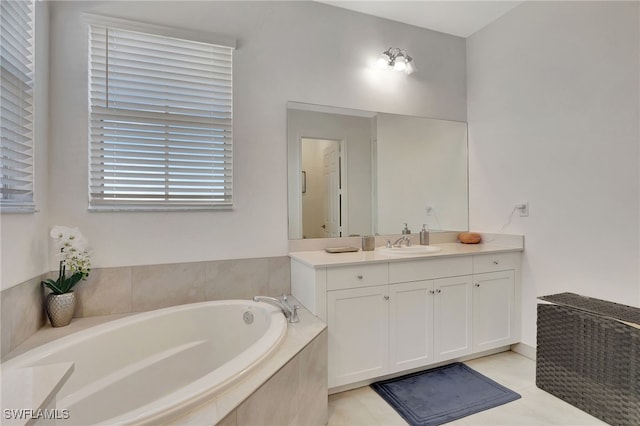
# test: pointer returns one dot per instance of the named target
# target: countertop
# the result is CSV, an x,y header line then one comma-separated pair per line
x,y
320,258
28,394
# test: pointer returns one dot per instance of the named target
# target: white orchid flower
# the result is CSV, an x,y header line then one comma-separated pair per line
x,y
59,232
73,235
73,252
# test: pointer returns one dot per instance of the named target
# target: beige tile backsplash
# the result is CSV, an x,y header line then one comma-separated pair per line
x,y
21,314
107,291
143,288
160,286
236,279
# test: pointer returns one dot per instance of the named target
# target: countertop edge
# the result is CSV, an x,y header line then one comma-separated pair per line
x,y
32,390
319,258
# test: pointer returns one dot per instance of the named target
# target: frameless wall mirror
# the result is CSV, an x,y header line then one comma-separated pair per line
x,y
353,172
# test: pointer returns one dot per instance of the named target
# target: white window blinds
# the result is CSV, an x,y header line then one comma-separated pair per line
x,y
161,122
16,106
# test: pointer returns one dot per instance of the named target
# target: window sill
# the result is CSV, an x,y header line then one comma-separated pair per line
x,y
132,209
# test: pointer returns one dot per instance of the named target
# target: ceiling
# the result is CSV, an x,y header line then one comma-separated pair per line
x,y
460,18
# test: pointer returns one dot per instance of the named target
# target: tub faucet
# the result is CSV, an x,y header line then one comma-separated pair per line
x,y
290,312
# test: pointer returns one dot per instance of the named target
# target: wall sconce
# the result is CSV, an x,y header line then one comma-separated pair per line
x,y
397,60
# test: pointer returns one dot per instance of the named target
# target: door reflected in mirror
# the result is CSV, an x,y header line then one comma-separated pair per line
x,y
353,172
321,195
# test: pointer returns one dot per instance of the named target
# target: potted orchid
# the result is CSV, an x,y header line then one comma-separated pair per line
x,y
75,265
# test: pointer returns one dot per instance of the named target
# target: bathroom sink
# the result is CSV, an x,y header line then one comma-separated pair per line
x,y
408,251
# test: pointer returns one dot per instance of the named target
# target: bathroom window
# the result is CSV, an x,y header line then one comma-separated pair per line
x,y
16,102
160,121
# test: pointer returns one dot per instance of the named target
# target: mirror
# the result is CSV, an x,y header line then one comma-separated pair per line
x,y
353,172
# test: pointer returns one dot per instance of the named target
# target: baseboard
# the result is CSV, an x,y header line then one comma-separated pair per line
x,y
350,386
524,350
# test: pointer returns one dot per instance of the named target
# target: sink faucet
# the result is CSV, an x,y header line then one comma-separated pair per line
x,y
290,312
399,241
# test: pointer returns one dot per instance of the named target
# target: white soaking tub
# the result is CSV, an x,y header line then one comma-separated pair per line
x,y
152,367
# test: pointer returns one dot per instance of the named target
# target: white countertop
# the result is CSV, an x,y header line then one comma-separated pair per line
x,y
28,391
320,258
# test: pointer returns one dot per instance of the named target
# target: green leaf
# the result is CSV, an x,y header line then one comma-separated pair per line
x,y
54,286
73,280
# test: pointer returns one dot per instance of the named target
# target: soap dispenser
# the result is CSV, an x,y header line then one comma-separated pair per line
x,y
424,235
406,229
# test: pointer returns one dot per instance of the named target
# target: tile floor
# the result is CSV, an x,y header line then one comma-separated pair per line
x,y
363,407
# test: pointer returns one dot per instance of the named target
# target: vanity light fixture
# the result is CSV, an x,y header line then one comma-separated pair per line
x,y
397,60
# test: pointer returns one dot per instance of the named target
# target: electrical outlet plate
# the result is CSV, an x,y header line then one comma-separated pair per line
x,y
523,208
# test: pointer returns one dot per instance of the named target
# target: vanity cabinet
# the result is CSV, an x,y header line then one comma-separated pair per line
x,y
493,310
391,316
358,323
429,321
452,318
411,325
494,301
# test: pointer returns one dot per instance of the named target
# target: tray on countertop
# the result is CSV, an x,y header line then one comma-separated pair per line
x,y
341,249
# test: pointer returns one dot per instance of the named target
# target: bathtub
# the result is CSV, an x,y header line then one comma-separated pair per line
x,y
151,367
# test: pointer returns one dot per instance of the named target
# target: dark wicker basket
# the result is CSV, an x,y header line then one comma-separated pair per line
x,y
587,357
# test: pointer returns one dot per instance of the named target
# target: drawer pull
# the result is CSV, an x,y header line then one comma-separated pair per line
x,y
386,297
438,291
360,277
477,284
495,262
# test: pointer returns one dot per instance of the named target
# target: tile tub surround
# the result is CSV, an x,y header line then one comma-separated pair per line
x,y
21,313
290,385
295,395
122,290
145,288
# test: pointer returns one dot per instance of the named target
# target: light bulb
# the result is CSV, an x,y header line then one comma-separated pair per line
x,y
410,66
383,61
400,63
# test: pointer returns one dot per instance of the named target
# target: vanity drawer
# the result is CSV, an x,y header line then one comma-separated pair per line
x,y
416,270
495,262
353,276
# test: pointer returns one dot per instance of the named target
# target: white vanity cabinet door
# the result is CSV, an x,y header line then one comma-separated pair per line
x,y
358,323
452,304
410,325
493,310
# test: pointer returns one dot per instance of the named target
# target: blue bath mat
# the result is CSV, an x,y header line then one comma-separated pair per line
x,y
443,394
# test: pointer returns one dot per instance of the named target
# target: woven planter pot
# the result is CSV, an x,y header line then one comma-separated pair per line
x,y
60,308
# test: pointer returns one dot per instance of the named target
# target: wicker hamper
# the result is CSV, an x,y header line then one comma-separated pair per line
x,y
589,356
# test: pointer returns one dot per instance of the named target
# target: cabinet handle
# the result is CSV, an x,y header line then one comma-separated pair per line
x,y
431,292
360,277
495,262
386,297
477,284
438,291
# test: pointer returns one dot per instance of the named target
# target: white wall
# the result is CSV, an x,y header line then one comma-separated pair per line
x,y
287,51
553,111
24,249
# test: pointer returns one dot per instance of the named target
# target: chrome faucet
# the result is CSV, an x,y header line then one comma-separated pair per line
x,y
399,241
290,312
